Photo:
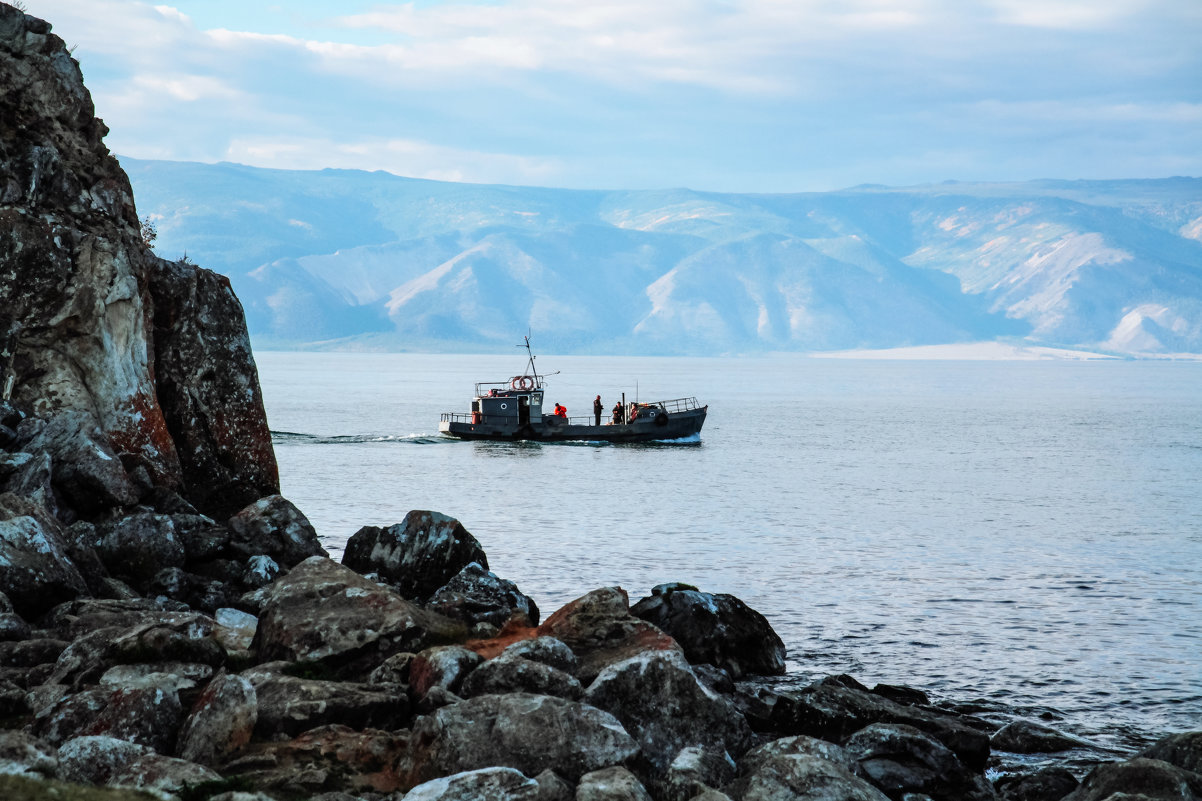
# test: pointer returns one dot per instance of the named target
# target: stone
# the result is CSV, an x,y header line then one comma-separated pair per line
x,y
324,612
719,630
695,770
235,629
547,650
221,721
663,705
22,754
85,468
530,733
1049,784
832,711
13,627
600,631
553,788
508,674
798,744
288,705
1025,737
274,527
801,777
187,679
260,571
485,784
475,595
197,592
326,759
136,547
443,666
416,556
201,536
35,571
901,759
1139,777
901,694
392,671
149,716
214,414
161,774
1183,750
611,784
93,759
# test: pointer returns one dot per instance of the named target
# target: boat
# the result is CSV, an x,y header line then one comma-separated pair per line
x,y
512,410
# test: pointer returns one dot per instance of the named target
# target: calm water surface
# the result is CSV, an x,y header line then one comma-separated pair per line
x,y
1027,534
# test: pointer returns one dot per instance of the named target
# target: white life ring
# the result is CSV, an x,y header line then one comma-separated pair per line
x,y
522,382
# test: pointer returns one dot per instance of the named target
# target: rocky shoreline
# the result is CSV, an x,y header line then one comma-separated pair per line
x,y
170,625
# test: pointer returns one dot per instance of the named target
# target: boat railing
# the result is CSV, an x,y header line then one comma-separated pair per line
x,y
512,385
676,405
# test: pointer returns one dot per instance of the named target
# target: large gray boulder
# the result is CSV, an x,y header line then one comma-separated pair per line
x,y
416,556
289,705
530,733
719,629
477,595
801,777
901,759
1026,737
35,571
666,708
323,612
149,716
1183,750
22,754
1139,778
600,631
221,721
512,674
611,784
136,547
274,527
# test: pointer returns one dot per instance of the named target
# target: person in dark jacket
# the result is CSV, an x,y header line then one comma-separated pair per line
x,y
618,413
598,408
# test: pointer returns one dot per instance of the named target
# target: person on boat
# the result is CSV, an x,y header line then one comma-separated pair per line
x,y
617,412
561,411
598,408
634,411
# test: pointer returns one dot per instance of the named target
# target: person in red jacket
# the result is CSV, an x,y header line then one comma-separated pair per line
x,y
561,411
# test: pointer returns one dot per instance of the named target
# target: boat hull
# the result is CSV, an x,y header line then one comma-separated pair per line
x,y
677,425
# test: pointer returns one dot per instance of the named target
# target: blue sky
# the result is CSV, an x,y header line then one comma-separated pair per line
x,y
725,95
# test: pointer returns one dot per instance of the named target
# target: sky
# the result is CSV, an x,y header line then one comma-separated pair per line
x,y
721,95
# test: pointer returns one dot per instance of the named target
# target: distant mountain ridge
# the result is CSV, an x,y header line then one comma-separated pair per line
x,y
349,259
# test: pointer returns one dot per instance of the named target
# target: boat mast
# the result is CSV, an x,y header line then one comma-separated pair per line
x,y
530,368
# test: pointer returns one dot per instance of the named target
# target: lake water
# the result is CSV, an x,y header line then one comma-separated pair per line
x,y
1027,534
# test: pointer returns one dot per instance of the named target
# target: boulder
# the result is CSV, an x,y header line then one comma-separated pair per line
x,y
186,679
207,385
1183,750
611,784
798,744
531,733
221,721
136,547
832,711
719,630
35,571
663,705
85,468
197,592
693,771
274,527
1141,778
392,671
485,784
476,595
553,788
93,759
443,666
149,716
547,650
163,775
235,630
801,777
203,539
510,674
1049,784
416,556
289,705
901,759
13,627
22,754
323,612
327,759
600,631
1024,737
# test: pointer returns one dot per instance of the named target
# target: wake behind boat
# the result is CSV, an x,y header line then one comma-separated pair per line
x,y
513,410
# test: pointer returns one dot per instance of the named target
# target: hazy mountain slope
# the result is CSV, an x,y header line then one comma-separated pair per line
x,y
384,261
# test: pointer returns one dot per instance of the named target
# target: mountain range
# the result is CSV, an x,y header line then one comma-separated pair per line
x,y
369,260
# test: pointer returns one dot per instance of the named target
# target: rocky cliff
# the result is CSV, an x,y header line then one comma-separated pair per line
x,y
142,366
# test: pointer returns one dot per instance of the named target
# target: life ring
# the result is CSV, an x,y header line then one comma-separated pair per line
x,y
661,419
522,382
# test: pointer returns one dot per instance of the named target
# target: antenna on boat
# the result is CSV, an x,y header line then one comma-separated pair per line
x,y
530,368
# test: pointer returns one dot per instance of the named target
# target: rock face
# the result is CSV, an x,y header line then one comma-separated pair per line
x,y
79,295
719,629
